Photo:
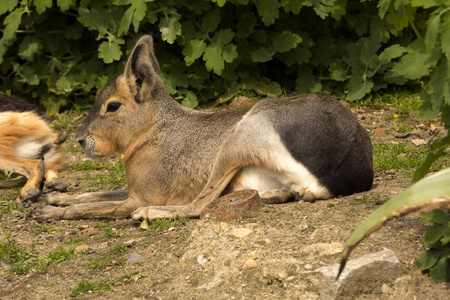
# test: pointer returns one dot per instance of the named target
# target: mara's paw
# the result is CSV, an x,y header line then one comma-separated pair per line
x,y
55,198
151,213
28,197
43,213
56,185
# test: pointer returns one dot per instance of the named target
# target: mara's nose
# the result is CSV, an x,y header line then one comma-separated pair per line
x,y
81,142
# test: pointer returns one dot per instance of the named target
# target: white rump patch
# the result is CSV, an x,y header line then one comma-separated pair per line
x,y
288,175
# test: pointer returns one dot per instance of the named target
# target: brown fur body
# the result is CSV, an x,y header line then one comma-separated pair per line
x,y
178,160
30,148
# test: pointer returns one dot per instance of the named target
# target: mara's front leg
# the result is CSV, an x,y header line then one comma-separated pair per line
x,y
63,199
104,209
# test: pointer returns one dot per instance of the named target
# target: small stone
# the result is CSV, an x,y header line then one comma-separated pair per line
x,y
133,258
90,250
81,249
224,225
419,142
171,229
324,249
89,231
240,232
83,226
5,265
307,267
130,243
379,131
250,264
202,260
260,241
290,278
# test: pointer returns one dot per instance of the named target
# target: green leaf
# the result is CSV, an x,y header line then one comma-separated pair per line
x,y
7,5
436,216
213,59
262,54
432,32
445,36
93,19
390,53
65,5
425,3
135,13
285,41
383,6
223,37
109,51
193,50
220,3
293,6
338,71
29,47
359,87
417,62
211,20
170,27
11,23
441,270
64,84
29,75
268,10
427,259
229,53
42,5
190,100
435,233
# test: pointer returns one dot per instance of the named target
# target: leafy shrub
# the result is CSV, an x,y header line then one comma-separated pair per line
x,y
64,51
436,259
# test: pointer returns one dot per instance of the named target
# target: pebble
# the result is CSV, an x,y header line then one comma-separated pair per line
x,y
307,267
201,260
323,249
133,258
81,249
130,243
89,231
240,232
250,264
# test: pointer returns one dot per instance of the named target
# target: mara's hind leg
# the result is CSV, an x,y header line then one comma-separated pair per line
x,y
277,197
243,147
32,169
60,199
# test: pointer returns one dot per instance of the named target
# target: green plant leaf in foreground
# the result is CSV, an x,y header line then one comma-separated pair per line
x,y
430,193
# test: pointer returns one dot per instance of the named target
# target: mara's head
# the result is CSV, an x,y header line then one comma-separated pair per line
x,y
124,107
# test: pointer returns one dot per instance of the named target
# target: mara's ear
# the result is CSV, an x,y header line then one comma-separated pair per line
x,y
142,69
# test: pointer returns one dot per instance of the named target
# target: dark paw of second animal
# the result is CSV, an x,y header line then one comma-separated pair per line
x,y
31,195
56,185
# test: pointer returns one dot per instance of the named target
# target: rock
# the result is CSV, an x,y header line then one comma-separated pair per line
x,y
240,232
379,131
250,264
202,260
361,275
81,249
89,231
130,243
323,249
419,142
133,258
235,205
5,265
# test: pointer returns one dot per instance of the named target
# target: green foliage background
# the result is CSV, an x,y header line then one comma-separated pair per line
x,y
63,52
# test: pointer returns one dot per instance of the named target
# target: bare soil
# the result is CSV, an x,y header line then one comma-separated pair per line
x,y
209,258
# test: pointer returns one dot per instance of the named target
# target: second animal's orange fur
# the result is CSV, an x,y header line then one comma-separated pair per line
x,y
30,148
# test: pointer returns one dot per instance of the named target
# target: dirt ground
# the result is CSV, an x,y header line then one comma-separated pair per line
x,y
259,257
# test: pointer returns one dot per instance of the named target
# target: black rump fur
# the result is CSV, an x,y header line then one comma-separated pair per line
x,y
11,103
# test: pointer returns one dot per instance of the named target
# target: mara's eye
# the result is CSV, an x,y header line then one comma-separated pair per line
x,y
113,107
